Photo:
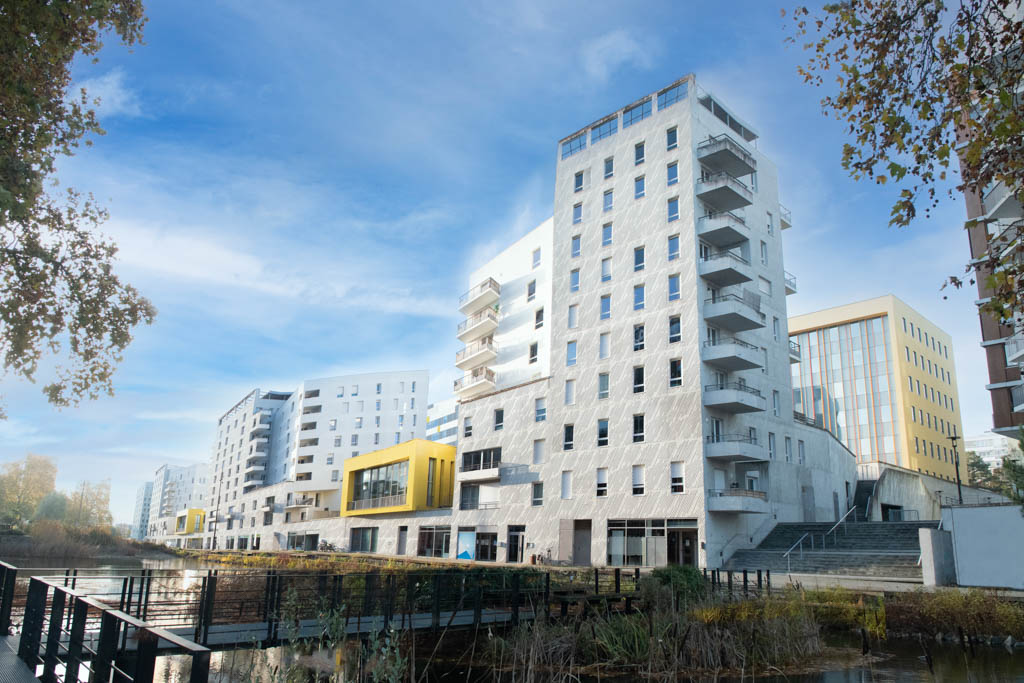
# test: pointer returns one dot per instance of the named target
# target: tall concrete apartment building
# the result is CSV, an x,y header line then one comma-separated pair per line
x,y
626,397
140,518
881,377
175,488
278,458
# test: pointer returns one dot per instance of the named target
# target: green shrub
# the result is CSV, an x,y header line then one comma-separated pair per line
x,y
685,581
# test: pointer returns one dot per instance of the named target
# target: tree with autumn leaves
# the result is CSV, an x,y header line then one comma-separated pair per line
x,y
28,493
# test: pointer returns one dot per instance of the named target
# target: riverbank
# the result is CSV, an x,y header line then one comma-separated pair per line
x,y
57,542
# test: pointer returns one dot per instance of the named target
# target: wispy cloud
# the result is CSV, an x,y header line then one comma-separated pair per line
x,y
612,52
116,98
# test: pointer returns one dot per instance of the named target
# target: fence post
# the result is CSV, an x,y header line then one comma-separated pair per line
x,y
744,582
618,580
211,597
145,657
728,578
10,576
478,598
435,617
53,637
32,624
597,581
106,648
79,614
515,599
200,667
768,579
636,576
759,584
547,595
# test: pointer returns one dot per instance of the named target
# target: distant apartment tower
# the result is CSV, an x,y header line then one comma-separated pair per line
x,y
443,422
175,488
881,377
626,396
294,444
140,518
992,448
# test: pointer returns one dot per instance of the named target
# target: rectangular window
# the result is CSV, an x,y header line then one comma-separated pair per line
x,y
638,187
638,337
669,96
538,452
574,311
789,449
578,181
568,437
577,213
574,250
638,480
673,287
673,174
638,154
671,138
673,209
538,319
531,290
608,200
537,498
355,439
570,392
602,385
638,379
606,234
638,297
638,428
775,403
574,280
676,474
604,129
332,425
776,329
602,432
379,387
573,145
675,372
570,354
499,419
771,445
801,453
602,482
764,252
638,259
533,352
606,269
467,427
673,247
606,306
536,258
540,410
566,484
674,330
604,345
636,113
609,167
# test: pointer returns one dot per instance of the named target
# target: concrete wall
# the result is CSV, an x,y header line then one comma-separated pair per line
x,y
918,491
987,545
937,565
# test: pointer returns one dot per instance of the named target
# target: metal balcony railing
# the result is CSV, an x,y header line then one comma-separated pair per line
x,y
737,491
477,466
475,348
475,319
725,341
475,505
723,178
478,375
731,438
726,255
725,141
381,502
754,306
794,348
785,214
803,419
790,280
733,386
488,284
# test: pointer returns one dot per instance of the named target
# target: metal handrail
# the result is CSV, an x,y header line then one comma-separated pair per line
x,y
725,140
794,347
489,283
835,540
722,214
731,438
788,553
731,297
489,464
727,177
790,279
730,340
478,317
733,385
726,254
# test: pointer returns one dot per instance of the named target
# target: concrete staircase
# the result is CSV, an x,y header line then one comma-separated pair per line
x,y
881,549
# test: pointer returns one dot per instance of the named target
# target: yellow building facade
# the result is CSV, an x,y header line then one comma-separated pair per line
x,y
189,521
881,378
414,475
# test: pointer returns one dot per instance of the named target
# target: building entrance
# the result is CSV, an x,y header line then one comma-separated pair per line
x,y
682,547
516,543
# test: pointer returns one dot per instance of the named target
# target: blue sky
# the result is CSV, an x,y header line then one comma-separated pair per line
x,y
302,189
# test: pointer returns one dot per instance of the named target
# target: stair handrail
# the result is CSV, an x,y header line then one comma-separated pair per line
x,y
788,556
835,537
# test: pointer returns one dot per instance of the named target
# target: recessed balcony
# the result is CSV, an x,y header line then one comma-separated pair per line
x,y
733,313
794,352
737,501
481,296
730,353
480,381
489,469
734,397
476,354
725,268
785,218
724,192
790,281
297,503
722,229
722,153
733,448
480,324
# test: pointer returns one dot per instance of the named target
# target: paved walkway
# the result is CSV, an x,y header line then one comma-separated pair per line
x,y
872,584
12,669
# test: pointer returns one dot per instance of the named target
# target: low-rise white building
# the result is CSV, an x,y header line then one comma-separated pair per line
x,y
992,447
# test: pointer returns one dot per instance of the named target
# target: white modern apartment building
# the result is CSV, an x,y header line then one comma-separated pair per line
x,y
175,488
992,448
443,422
277,461
627,396
140,518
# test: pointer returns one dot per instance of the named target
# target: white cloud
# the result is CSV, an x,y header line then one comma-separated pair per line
x,y
610,52
116,99
204,417
14,431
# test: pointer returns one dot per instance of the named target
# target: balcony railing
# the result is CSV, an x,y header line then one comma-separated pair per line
x,y
475,505
794,348
382,502
476,466
737,491
754,306
724,141
803,419
785,216
1016,396
731,438
790,280
733,386
490,284
725,341
727,255
479,375
475,348
476,319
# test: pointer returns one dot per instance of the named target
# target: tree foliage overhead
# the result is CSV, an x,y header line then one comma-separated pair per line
x,y
59,294
920,83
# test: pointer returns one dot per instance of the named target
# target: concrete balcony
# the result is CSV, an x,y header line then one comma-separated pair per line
x,y
733,397
480,381
1017,398
481,296
480,324
722,229
738,501
734,448
254,466
1014,348
732,354
476,354
487,471
382,502
298,503
724,192
722,153
733,313
725,268
785,218
1000,203
794,352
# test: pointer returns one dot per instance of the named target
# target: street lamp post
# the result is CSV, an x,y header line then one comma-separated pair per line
x,y
956,463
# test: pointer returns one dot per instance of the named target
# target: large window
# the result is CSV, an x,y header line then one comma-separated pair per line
x,y
434,541
635,114
669,96
363,539
380,486
604,129
573,145
486,459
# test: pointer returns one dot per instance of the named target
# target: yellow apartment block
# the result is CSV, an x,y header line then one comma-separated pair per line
x,y
881,378
414,475
189,521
